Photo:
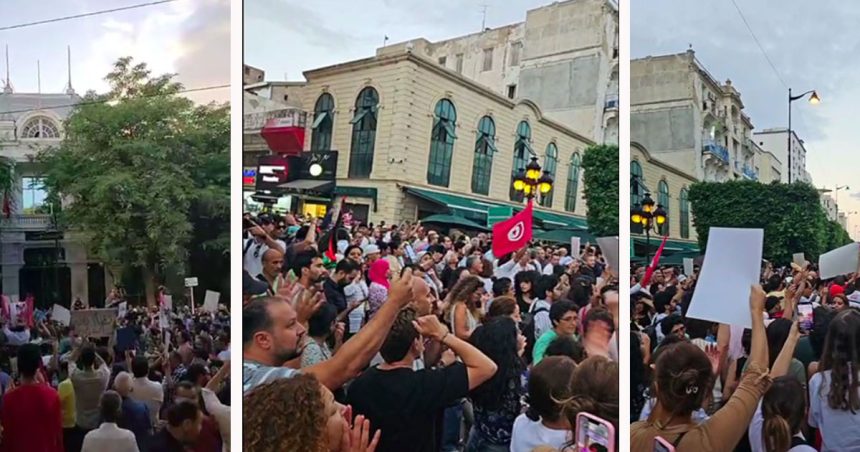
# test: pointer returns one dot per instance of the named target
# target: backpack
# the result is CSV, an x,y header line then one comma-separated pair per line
x,y
528,330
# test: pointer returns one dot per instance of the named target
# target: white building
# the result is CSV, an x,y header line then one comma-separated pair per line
x,y
829,206
775,141
37,258
563,57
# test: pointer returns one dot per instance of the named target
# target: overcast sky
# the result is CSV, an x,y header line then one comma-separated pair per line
x,y
189,37
288,37
811,46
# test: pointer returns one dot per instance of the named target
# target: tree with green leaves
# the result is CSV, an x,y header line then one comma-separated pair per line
x,y
600,176
144,174
790,214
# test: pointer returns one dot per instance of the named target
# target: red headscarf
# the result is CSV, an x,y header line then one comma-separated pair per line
x,y
378,272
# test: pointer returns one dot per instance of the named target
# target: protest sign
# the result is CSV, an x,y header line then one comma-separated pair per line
x,y
61,314
94,322
123,310
210,302
731,268
609,247
574,246
799,259
688,266
841,261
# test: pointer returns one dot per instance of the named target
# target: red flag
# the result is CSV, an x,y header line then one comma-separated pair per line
x,y
513,233
331,251
654,262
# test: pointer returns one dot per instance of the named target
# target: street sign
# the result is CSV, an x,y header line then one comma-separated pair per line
x,y
191,282
498,214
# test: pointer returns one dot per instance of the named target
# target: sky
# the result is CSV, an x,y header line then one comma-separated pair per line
x,y
811,47
287,37
188,37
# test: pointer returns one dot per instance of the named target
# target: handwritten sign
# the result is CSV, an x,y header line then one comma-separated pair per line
x,y
210,302
94,322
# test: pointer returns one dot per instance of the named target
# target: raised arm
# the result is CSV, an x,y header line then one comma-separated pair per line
x,y
356,353
479,367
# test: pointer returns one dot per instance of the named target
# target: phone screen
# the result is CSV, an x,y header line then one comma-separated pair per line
x,y
594,434
805,317
661,445
410,253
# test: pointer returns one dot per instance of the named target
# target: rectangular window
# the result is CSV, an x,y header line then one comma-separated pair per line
x,y
443,60
459,63
488,59
34,194
512,91
515,53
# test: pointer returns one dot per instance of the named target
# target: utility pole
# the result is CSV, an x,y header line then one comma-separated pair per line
x,y
484,16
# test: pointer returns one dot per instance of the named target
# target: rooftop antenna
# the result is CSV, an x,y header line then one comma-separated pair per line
x,y
484,16
38,77
385,41
69,90
7,86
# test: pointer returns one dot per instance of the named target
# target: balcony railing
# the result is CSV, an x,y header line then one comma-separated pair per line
x,y
718,151
24,221
750,172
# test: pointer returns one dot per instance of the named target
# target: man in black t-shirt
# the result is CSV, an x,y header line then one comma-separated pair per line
x,y
404,403
345,272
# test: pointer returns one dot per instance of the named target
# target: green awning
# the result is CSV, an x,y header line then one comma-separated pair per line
x,y
564,236
678,258
672,245
554,220
454,220
453,202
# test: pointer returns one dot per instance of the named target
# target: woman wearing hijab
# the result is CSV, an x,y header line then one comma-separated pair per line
x,y
379,284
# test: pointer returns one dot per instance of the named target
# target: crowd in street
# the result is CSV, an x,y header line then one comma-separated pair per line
x,y
157,382
788,383
404,337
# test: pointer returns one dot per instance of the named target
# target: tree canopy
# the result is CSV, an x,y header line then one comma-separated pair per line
x,y
144,174
600,176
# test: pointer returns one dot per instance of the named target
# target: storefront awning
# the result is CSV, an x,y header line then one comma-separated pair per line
x,y
673,246
453,202
308,185
554,220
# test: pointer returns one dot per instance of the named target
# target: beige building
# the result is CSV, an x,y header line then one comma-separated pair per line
x,y
563,57
416,138
768,166
685,117
668,186
286,93
251,75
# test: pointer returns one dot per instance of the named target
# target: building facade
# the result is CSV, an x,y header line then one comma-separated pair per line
x,y
684,116
563,57
286,93
768,166
251,75
667,186
35,257
829,206
416,138
775,141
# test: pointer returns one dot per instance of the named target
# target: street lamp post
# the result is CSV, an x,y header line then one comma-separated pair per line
x,y
531,181
650,218
814,100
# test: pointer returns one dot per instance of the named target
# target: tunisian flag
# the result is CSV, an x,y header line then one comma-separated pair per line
x,y
514,233
650,270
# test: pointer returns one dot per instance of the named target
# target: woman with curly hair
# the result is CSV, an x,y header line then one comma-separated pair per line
x,y
299,414
834,397
496,402
465,309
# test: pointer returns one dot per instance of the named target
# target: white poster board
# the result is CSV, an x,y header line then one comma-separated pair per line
x,y
210,302
799,259
841,261
609,247
123,310
168,302
574,247
688,266
191,282
94,322
61,314
731,267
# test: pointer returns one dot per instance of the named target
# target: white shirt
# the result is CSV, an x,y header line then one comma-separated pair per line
x,y
541,319
150,393
510,269
528,434
756,440
109,438
252,260
356,292
221,413
548,269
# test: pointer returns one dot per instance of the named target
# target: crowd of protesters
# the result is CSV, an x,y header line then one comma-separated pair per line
x,y
362,337
790,383
157,382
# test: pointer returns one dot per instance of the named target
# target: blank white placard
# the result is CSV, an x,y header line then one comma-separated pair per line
x,y
609,247
841,261
732,265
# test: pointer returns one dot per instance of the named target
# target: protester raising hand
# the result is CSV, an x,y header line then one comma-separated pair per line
x,y
307,304
356,437
401,289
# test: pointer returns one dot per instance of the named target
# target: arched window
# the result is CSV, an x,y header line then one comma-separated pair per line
x,y
442,143
572,183
485,147
663,200
323,123
522,149
685,214
549,165
636,182
40,127
363,133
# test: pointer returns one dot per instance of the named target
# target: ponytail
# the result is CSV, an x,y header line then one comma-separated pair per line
x,y
782,407
776,433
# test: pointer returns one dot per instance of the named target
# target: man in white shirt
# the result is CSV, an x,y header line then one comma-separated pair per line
x,y
262,240
109,437
553,262
151,393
